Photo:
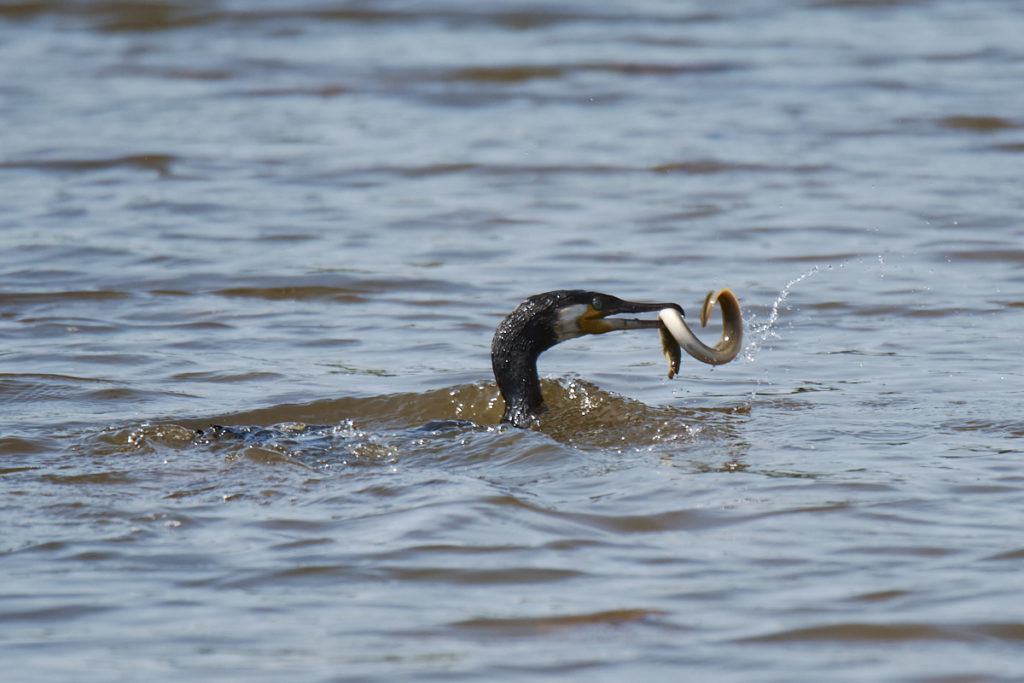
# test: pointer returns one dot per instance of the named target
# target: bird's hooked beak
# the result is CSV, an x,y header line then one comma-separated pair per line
x,y
595,319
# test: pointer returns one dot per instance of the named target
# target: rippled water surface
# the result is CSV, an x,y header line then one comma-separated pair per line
x,y
301,223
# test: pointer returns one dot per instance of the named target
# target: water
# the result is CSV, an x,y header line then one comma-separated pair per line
x,y
302,222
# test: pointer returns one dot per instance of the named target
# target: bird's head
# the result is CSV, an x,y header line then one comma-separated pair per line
x,y
578,312
550,318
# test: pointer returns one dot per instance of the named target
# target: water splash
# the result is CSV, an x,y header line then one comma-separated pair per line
x,y
761,332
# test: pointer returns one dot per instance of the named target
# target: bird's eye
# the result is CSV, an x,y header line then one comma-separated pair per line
x,y
597,304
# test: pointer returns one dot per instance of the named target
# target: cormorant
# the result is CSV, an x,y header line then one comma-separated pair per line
x,y
550,318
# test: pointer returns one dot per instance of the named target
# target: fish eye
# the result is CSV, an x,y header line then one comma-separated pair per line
x,y
597,304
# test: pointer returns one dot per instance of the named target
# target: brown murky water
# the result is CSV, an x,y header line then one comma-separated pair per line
x,y
302,222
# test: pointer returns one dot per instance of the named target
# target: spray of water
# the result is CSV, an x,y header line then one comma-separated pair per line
x,y
761,332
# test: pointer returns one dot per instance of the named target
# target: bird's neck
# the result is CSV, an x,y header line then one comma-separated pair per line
x,y
519,385
514,351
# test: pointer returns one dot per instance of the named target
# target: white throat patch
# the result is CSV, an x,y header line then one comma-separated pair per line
x,y
567,324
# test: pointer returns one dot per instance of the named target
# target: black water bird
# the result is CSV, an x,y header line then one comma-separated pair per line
x,y
547,319
539,323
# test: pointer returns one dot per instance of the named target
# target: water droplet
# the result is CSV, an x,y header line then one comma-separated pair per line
x,y
764,331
